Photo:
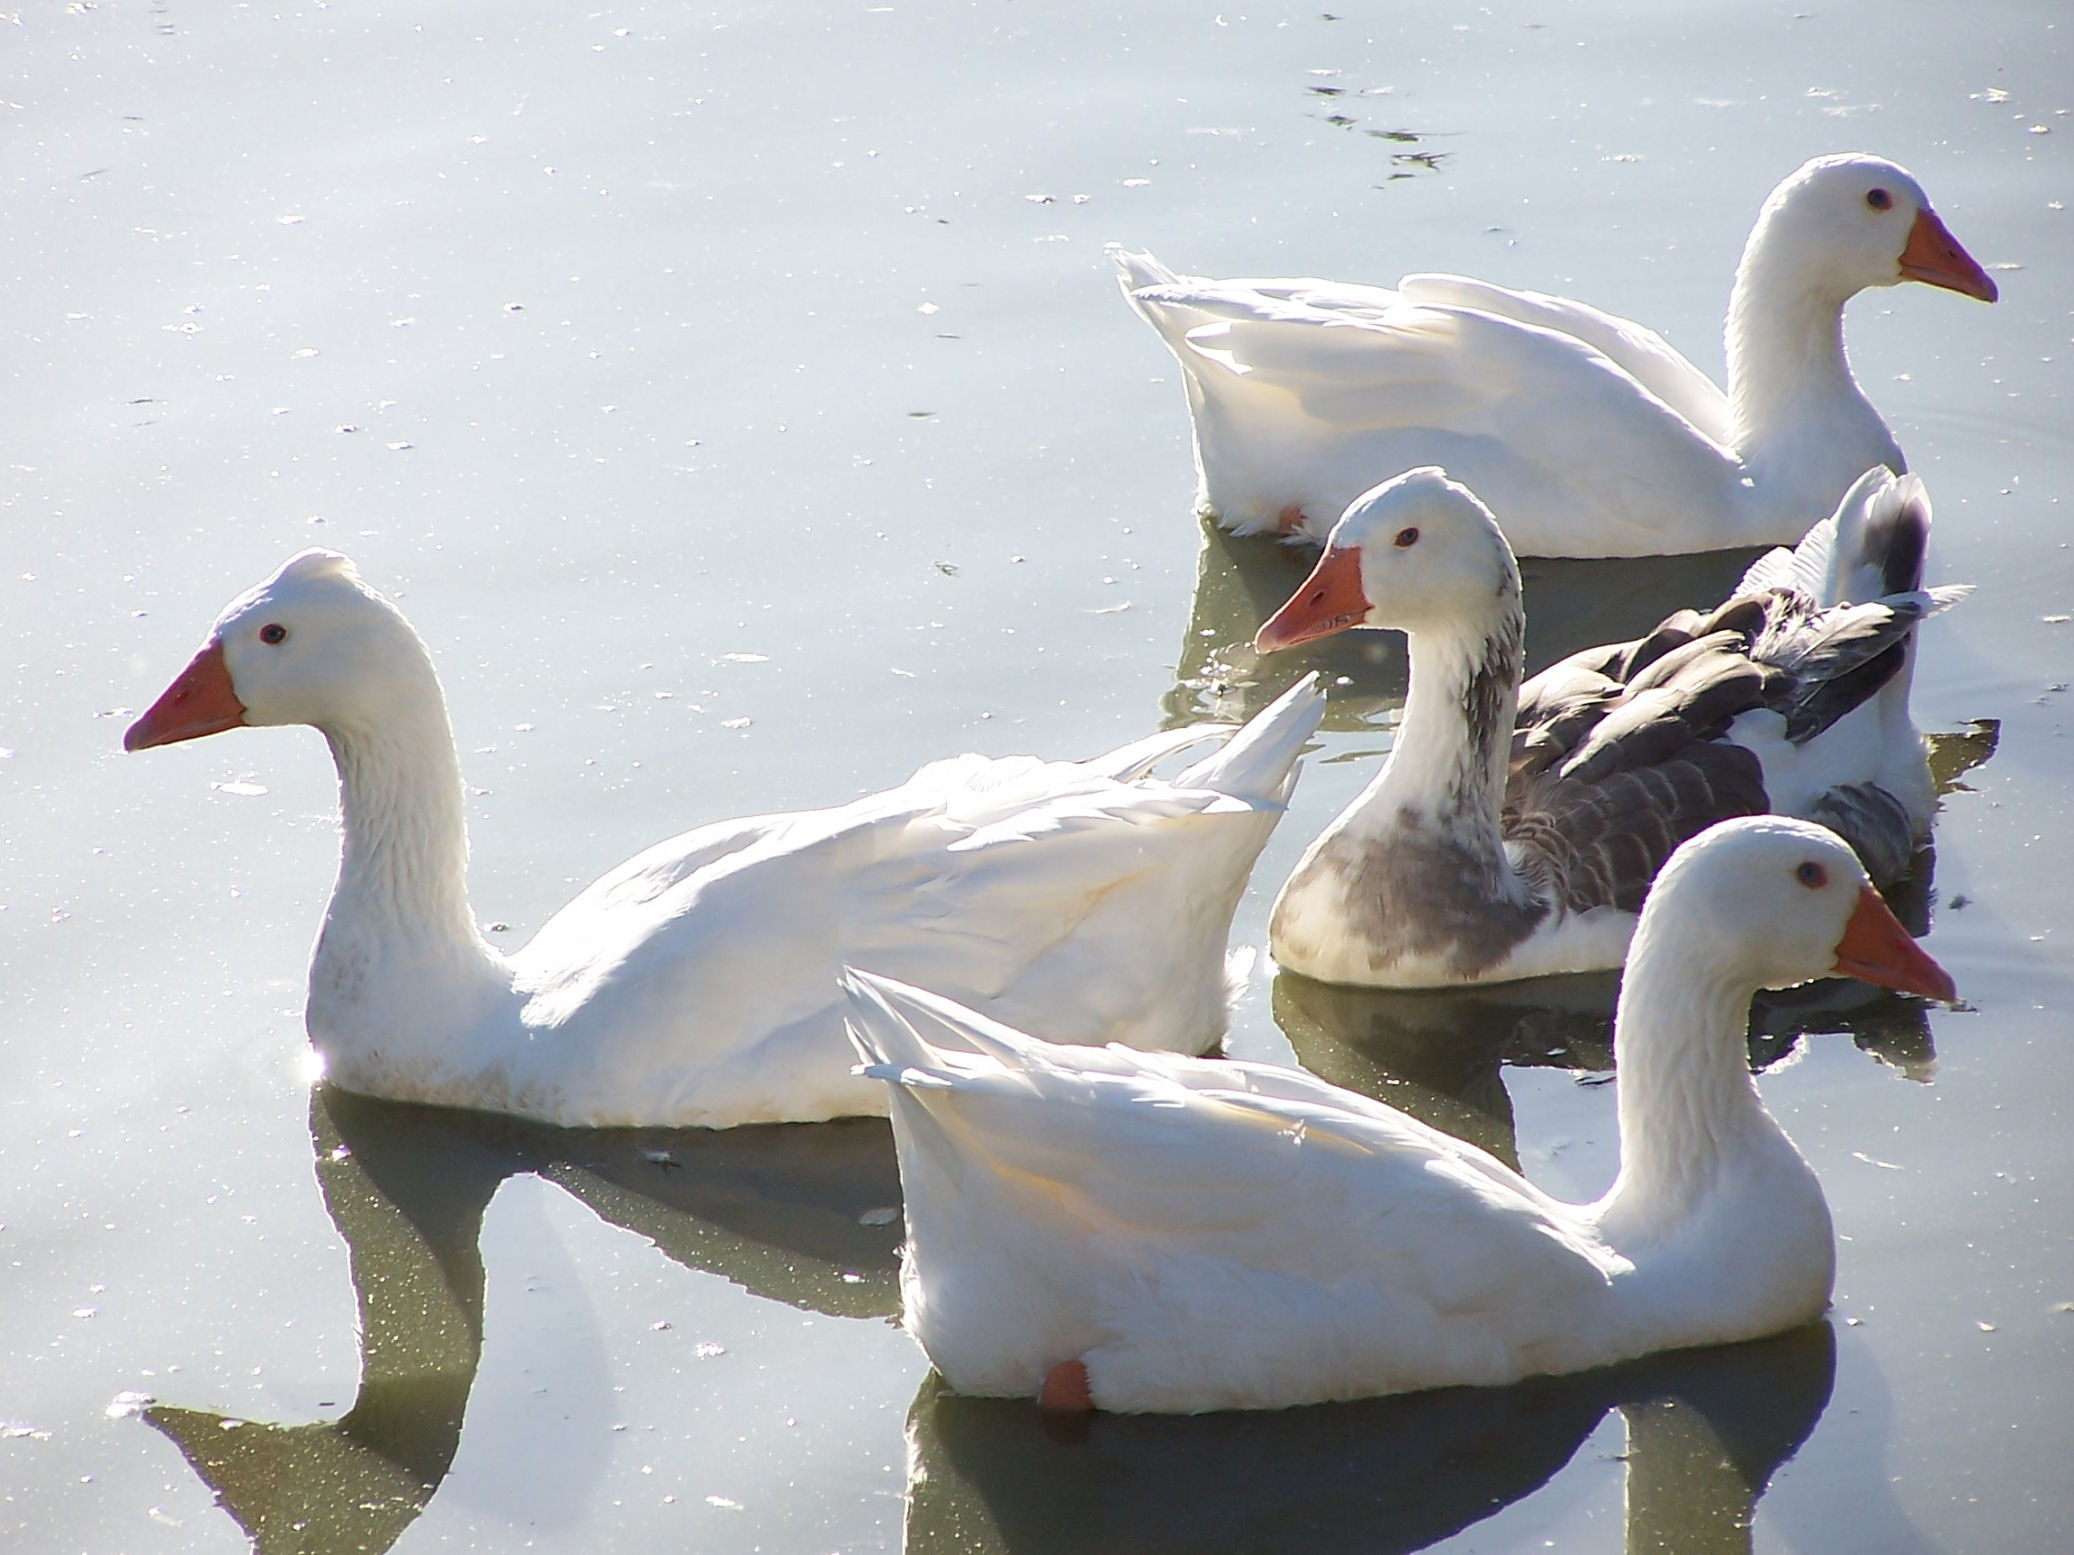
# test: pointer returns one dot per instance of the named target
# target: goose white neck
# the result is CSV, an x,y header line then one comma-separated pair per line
x,y
404,860
1785,345
400,966
1687,1103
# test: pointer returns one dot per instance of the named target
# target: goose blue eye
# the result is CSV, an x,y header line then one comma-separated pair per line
x,y
273,633
1812,875
1879,199
1407,537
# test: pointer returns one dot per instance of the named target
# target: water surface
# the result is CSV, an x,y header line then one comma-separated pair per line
x,y
617,343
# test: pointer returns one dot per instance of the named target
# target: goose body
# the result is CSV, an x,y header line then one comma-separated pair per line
x,y
1514,831
1587,432
1143,1232
695,983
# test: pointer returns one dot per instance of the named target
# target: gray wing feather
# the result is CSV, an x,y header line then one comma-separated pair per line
x,y
1619,753
1609,778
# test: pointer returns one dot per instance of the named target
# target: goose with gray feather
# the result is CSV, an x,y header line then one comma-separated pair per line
x,y
1514,831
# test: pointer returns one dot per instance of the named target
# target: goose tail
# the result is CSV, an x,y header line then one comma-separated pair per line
x,y
888,1047
1259,763
1882,532
920,1039
1128,763
1136,269
1872,546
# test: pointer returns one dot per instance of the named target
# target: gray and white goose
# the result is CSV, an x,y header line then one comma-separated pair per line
x,y
1514,831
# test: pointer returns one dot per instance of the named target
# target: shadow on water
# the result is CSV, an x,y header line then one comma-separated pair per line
x,y
1439,1054
1241,581
803,1214
808,1215
1706,1430
1957,752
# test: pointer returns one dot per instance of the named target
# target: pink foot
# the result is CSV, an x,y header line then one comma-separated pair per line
x,y
1289,520
1065,1388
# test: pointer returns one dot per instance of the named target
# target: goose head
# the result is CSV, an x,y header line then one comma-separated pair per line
x,y
1418,552
313,644
1843,223
1767,902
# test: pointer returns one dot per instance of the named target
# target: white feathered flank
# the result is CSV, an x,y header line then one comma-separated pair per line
x,y
1589,434
695,983
1178,1235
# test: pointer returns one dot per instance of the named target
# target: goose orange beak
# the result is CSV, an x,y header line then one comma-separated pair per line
x,y
1877,949
1934,257
200,701
1331,600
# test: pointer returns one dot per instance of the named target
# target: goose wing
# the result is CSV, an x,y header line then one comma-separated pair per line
x,y
1052,892
1610,774
1574,453
1622,752
1872,545
1637,350
1232,1228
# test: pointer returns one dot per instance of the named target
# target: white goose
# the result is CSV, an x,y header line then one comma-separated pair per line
x,y
1513,831
1138,1232
695,983
1588,432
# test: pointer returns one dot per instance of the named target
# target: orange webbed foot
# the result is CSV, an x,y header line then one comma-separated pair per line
x,y
1065,1389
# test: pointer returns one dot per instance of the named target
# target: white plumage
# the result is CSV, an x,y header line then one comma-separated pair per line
x,y
1204,1235
1587,432
695,983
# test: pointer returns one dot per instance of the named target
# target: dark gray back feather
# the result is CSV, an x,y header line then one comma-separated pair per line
x,y
1619,753
1831,661
1599,842
1876,826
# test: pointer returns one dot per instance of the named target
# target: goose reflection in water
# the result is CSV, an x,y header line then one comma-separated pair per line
x,y
1706,1430
1439,1054
805,1214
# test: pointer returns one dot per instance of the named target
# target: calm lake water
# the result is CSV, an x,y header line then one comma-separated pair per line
x,y
618,342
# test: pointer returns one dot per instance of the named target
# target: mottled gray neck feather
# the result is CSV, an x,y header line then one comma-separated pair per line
x,y
1448,761
1416,866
